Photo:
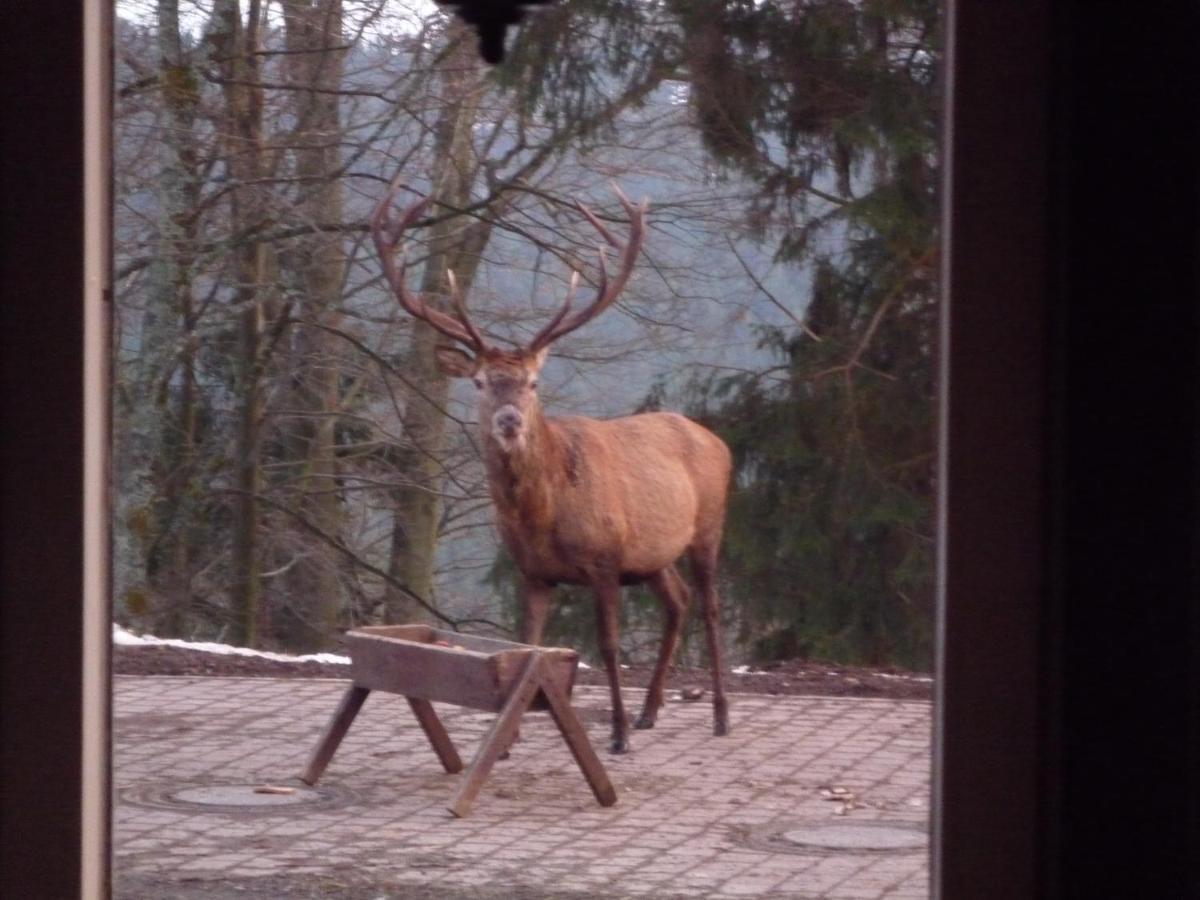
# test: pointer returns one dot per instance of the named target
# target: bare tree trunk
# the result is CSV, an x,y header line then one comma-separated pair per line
x,y
453,244
313,28
233,52
169,562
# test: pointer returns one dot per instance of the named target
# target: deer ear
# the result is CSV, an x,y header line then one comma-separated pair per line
x,y
454,362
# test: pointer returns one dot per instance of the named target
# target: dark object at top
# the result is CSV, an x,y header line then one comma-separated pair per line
x,y
491,19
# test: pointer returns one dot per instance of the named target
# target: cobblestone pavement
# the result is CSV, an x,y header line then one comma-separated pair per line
x,y
697,816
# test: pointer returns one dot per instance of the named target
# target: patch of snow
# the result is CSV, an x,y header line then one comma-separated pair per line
x,y
129,639
747,670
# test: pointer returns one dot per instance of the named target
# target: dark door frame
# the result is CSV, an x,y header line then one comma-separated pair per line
x,y
55,616
991,499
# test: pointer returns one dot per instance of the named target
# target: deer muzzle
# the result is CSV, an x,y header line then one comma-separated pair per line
x,y
507,424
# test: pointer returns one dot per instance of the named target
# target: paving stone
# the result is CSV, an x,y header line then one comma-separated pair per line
x,y
697,816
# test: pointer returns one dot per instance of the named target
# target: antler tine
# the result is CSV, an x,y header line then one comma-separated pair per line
x,y
460,307
543,338
597,224
602,266
381,219
607,291
386,235
629,207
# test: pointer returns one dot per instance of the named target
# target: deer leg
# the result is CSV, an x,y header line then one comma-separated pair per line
x,y
704,567
608,611
675,597
537,604
533,623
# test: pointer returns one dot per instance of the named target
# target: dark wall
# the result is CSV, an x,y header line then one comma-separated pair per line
x,y
1070,744
1121,639
41,468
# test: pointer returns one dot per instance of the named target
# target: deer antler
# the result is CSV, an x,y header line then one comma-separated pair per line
x,y
386,232
606,291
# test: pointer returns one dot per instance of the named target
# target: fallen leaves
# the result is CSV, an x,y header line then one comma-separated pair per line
x,y
842,796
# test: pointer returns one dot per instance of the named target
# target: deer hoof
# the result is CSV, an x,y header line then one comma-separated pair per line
x,y
619,745
720,728
644,721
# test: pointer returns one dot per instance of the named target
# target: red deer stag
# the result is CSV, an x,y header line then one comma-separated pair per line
x,y
584,501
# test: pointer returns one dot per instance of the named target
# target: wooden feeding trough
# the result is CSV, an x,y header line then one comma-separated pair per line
x,y
426,664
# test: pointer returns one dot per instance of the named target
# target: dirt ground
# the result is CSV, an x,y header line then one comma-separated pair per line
x,y
789,677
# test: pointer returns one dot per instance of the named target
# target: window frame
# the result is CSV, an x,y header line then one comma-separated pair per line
x,y
56,281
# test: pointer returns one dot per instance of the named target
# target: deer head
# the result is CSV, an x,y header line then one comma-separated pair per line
x,y
506,379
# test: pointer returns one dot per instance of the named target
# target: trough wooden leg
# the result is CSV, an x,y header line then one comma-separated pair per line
x,y
500,736
352,702
432,726
576,737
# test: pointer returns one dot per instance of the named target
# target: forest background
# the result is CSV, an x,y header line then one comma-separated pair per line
x,y
288,460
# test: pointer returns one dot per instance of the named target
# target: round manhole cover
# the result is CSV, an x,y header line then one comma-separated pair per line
x,y
243,795
832,837
235,798
852,836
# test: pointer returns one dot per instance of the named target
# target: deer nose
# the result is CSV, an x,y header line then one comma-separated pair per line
x,y
507,421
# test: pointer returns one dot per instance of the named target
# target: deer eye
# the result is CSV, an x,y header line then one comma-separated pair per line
x,y
478,382
533,385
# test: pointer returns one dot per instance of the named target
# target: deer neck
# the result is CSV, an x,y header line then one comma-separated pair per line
x,y
524,479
